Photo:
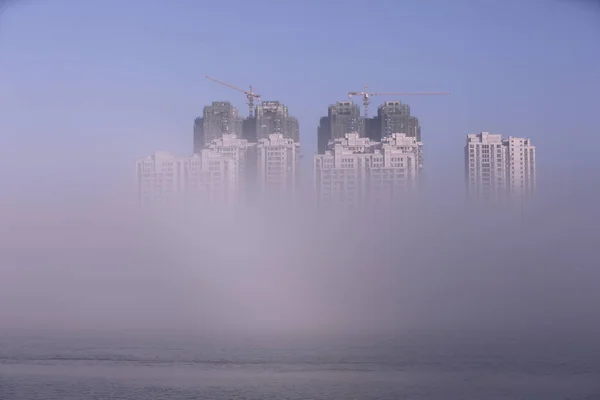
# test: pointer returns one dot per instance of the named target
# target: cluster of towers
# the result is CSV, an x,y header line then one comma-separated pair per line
x,y
249,159
367,162
221,117
235,160
345,117
361,161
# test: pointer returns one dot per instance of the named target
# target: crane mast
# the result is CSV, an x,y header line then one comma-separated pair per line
x,y
365,95
250,95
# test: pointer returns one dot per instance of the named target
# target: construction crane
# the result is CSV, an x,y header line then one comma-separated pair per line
x,y
250,95
366,96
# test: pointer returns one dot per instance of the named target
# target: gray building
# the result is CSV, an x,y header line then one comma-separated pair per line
x,y
249,129
342,117
394,116
199,141
373,129
292,129
345,116
220,118
323,135
272,117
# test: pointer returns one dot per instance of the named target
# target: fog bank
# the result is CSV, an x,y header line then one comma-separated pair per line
x,y
445,265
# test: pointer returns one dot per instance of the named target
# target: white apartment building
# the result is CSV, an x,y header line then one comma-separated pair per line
x,y
497,168
158,179
278,160
521,171
340,175
356,171
205,179
394,168
243,155
217,181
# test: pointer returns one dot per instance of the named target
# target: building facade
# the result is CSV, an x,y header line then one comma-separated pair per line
x,y
272,117
205,179
394,116
278,160
499,169
394,169
345,116
158,179
244,157
342,117
357,172
220,118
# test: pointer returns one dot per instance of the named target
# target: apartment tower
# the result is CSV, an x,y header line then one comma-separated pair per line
x,y
497,169
357,172
217,119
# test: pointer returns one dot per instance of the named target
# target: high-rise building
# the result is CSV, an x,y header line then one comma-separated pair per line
x,y
249,129
217,119
394,116
198,135
278,160
203,179
395,169
497,168
373,129
243,154
355,171
158,179
215,183
342,117
521,171
340,173
323,135
292,129
345,116
272,117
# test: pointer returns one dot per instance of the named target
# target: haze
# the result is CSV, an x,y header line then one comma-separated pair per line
x,y
290,269
79,103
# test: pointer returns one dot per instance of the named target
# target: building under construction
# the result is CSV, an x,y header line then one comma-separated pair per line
x,y
264,119
272,118
345,117
269,117
217,119
392,117
395,117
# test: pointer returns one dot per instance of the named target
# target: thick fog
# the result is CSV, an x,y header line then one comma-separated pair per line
x,y
77,254
441,264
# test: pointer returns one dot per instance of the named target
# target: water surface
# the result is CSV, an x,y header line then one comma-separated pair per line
x,y
425,365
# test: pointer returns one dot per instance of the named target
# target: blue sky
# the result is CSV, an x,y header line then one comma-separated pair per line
x,y
86,87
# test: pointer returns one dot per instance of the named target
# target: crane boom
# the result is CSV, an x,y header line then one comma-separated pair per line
x,y
250,95
366,96
409,93
228,85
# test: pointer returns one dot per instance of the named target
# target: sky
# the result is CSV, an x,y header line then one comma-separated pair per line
x,y
86,88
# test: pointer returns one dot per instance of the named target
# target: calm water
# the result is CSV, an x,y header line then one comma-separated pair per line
x,y
416,366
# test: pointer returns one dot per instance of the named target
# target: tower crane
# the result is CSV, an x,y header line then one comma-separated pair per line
x,y
250,95
366,96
